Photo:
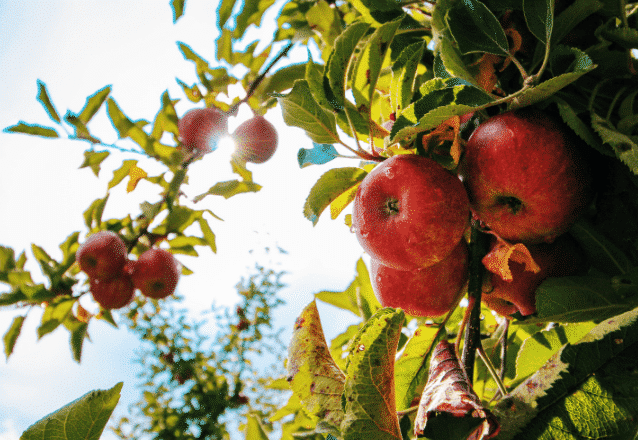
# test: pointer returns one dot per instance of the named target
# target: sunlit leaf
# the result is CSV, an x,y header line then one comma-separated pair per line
x,y
254,430
135,174
54,314
229,189
93,104
11,336
43,97
330,185
318,155
404,70
312,373
224,11
369,398
93,160
178,9
84,418
33,129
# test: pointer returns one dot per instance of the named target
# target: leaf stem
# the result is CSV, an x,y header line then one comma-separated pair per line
x,y
490,367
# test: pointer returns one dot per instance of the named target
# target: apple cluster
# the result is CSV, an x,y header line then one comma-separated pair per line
x,y
522,178
201,129
113,278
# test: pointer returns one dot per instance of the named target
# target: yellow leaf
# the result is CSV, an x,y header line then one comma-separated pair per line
x,y
135,175
497,259
339,204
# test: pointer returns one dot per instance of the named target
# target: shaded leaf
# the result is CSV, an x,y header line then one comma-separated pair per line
x,y
318,155
43,97
330,185
624,146
601,253
571,16
498,258
539,15
583,130
369,397
84,418
11,336
404,70
476,29
312,373
35,129
300,109
564,390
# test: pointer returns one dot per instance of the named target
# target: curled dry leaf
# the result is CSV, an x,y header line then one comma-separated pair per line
x,y
497,259
448,396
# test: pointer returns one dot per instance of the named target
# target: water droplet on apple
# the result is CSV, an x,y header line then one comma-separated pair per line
x,y
353,229
389,172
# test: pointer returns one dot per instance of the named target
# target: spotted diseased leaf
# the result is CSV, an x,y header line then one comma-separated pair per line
x,y
369,394
328,188
498,258
84,418
449,407
312,373
586,389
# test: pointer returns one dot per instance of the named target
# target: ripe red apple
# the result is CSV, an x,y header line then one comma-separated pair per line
x,y
410,212
156,273
201,129
102,255
112,293
255,140
429,291
526,176
563,257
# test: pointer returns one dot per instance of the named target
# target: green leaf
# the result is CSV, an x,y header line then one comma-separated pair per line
x,y
369,62
224,45
126,128
47,264
448,62
251,13
78,330
369,400
84,418
300,109
579,299
224,11
625,147
584,131
411,369
537,349
36,130
318,155
625,37
330,185
7,260
572,16
539,15
476,29
43,97
404,70
254,430
325,20
358,298
166,119
178,9
584,390
54,314
93,104
601,253
312,373
93,214
229,189
93,160
11,336
339,61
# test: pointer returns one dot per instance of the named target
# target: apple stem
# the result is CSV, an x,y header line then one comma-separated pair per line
x,y
506,326
478,249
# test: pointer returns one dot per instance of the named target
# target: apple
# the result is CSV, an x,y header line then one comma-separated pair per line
x,y
428,291
112,293
563,257
255,140
526,176
102,255
410,212
156,273
201,128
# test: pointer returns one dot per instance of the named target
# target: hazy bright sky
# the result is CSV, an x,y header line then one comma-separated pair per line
x,y
76,48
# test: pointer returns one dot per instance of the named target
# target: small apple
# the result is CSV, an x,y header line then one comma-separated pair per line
x,y
410,212
102,255
200,129
112,293
526,176
156,273
429,291
563,257
255,140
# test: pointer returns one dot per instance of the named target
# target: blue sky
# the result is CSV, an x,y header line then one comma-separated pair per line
x,y
76,48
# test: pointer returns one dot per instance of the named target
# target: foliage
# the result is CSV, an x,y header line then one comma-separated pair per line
x,y
392,78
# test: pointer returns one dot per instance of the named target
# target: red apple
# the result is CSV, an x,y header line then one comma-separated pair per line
x,y
102,255
200,129
410,212
255,140
526,176
156,273
112,293
563,257
429,291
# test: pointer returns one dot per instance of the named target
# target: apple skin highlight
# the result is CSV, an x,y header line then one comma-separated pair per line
x,y
526,176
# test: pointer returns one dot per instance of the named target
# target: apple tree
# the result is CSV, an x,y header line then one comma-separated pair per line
x,y
531,103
